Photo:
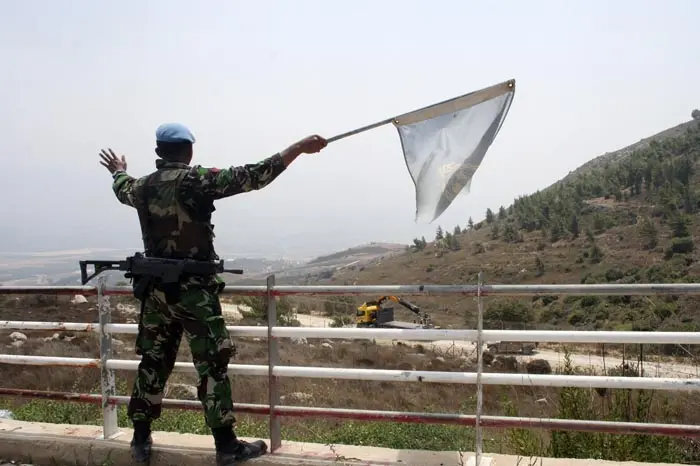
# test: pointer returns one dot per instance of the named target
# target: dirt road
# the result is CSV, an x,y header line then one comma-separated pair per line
x,y
555,358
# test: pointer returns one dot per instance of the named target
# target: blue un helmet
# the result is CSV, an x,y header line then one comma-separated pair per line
x,y
174,133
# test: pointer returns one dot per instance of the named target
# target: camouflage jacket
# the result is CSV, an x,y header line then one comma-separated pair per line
x,y
180,201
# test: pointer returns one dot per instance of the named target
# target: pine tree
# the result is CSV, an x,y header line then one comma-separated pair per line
x,y
575,229
649,233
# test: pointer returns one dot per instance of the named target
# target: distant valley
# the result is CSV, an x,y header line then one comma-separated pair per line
x,y
61,267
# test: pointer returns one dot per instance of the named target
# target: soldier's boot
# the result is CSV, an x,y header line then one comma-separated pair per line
x,y
231,451
141,443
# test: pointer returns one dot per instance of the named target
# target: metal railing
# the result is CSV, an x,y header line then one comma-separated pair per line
x,y
109,400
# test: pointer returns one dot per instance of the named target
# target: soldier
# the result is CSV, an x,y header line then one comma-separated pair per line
x,y
175,204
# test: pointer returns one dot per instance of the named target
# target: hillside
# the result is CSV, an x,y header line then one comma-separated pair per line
x,y
321,267
626,217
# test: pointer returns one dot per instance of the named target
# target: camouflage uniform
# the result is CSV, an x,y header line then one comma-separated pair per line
x,y
180,201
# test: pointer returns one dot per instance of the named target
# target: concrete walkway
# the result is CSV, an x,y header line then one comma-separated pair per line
x,y
62,444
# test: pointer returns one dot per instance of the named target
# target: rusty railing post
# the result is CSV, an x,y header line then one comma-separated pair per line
x,y
272,361
110,427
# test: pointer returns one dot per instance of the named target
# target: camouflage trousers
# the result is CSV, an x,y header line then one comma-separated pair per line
x,y
198,316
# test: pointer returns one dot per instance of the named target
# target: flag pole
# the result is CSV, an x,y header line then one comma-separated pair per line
x,y
361,130
478,96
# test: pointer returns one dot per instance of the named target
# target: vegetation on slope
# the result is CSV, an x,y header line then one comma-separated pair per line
x,y
629,220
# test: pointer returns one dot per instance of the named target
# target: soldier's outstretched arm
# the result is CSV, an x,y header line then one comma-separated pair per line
x,y
123,187
217,183
123,184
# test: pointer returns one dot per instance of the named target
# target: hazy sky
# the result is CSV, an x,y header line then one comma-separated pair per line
x,y
249,78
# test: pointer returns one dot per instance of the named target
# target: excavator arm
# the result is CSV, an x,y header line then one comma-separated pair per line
x,y
410,306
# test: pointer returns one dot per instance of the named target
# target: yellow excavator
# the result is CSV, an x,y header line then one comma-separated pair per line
x,y
373,314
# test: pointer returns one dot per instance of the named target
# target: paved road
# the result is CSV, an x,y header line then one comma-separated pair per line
x,y
651,369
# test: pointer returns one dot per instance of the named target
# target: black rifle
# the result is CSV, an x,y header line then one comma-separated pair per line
x,y
145,271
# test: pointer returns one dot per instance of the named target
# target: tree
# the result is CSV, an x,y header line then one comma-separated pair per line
x,y
695,114
451,242
682,245
285,312
457,231
539,266
575,229
649,233
495,232
419,244
679,226
690,202
502,313
502,213
555,233
489,216
470,223
510,234
343,305
439,234
596,254
341,321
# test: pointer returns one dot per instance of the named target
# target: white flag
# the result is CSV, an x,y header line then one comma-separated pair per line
x,y
444,144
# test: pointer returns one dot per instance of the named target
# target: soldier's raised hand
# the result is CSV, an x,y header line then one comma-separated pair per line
x,y
111,162
312,144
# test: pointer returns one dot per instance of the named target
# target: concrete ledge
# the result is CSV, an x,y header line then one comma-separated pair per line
x,y
62,444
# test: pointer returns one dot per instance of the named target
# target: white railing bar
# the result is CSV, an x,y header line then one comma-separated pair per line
x,y
124,329
469,378
55,361
586,336
49,290
553,336
58,326
428,335
188,367
488,290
